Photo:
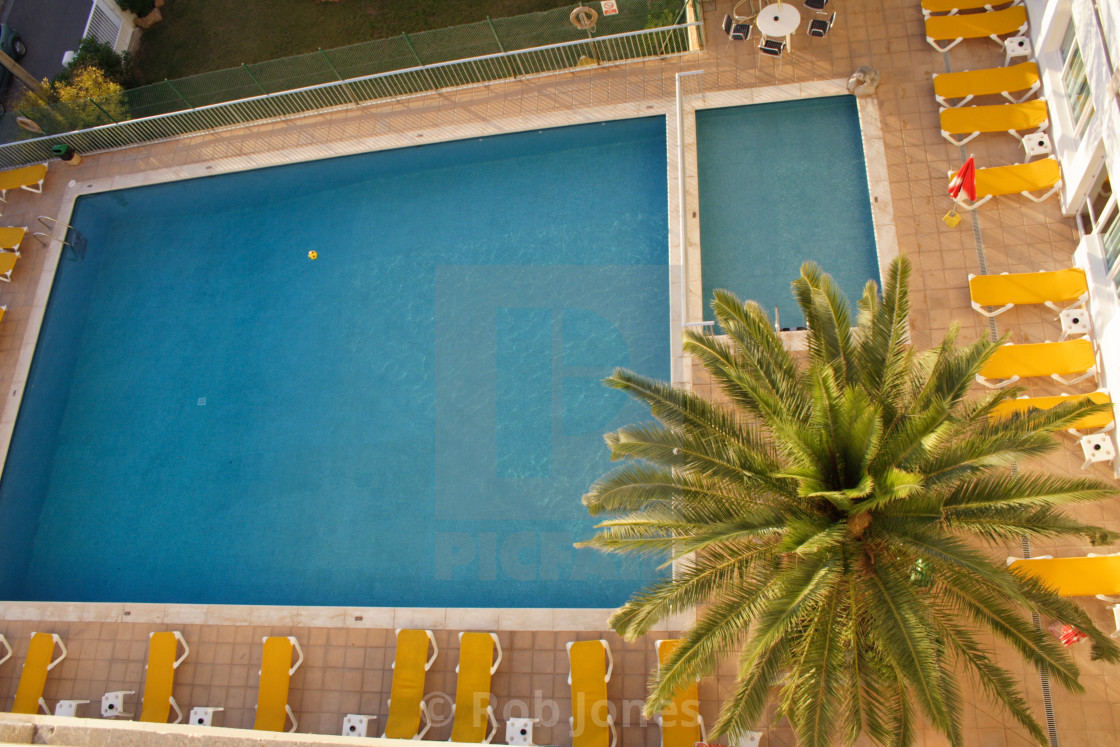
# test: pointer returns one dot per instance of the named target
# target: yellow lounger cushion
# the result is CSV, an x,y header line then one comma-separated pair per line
x,y
34,676
10,238
1029,115
589,694
976,25
272,698
986,82
23,177
1075,577
1040,359
1022,177
472,692
680,721
7,261
160,677
948,6
407,693
1024,404
1059,286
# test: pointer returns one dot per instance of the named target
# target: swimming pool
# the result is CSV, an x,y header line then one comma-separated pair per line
x,y
408,420
779,184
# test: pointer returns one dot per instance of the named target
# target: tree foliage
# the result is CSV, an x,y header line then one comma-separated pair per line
x,y
829,519
85,99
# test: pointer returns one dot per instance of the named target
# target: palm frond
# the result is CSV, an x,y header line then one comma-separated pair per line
x,y
884,350
829,320
899,618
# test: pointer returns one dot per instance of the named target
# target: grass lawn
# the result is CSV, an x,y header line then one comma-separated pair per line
x,y
198,36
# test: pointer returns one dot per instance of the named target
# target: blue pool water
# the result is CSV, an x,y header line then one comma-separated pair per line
x,y
409,420
779,184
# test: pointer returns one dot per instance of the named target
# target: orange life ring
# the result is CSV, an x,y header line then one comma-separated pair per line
x,y
584,17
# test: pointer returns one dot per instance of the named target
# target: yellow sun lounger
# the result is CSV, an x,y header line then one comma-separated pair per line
x,y
970,121
591,721
1054,359
1067,287
1020,178
276,676
160,677
472,709
989,82
29,695
158,682
993,24
1096,421
7,262
1073,577
681,722
955,6
10,238
28,177
406,698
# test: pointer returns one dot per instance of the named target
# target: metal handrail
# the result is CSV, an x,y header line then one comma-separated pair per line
x,y
79,252
45,218
324,100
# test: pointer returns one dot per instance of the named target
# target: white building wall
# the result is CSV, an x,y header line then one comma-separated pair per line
x,y
1081,155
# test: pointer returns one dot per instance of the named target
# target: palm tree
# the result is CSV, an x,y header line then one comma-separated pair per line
x,y
828,524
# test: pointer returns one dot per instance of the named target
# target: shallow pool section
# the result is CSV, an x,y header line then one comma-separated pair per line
x,y
780,184
408,420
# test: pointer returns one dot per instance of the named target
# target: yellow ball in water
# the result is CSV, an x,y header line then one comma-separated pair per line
x,y
313,255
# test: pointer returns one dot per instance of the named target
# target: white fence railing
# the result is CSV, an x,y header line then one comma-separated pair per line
x,y
634,45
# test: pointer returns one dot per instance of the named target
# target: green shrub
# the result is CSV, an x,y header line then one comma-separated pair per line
x,y
92,53
139,7
663,13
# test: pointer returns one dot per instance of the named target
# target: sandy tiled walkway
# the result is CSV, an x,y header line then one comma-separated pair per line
x,y
347,668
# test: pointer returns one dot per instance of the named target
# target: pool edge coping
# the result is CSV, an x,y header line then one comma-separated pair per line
x,y
434,618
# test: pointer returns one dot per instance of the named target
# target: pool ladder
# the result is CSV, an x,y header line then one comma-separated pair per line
x,y
77,248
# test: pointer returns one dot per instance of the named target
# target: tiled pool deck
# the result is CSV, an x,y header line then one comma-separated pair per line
x,y
347,666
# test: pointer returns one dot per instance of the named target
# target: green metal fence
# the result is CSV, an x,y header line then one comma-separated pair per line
x,y
487,51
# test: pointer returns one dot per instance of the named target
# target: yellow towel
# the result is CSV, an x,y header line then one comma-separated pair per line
x,y
1021,177
1040,359
408,685
589,695
1009,407
34,676
1030,115
272,698
987,82
976,25
1075,577
472,693
680,721
160,677
1059,286
23,177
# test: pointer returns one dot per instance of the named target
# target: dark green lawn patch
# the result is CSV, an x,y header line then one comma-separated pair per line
x,y
198,36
